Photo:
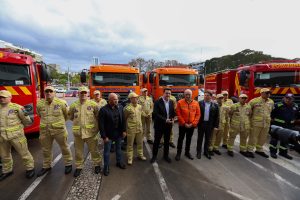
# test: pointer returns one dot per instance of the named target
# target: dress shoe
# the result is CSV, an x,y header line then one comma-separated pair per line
x,y
286,155
68,169
43,171
207,156
143,158
273,155
30,173
168,159
121,165
211,153
177,157
250,154
5,175
244,153
106,171
189,156
97,169
149,141
261,153
77,172
153,159
216,151
199,155
224,146
172,145
230,153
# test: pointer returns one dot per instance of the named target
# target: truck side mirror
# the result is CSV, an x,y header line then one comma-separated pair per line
x,y
144,78
45,73
243,77
83,77
201,79
151,77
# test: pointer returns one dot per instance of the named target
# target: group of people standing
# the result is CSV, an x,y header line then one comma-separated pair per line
x,y
216,120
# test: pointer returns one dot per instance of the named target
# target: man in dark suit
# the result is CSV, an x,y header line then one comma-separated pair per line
x,y
164,114
208,121
112,127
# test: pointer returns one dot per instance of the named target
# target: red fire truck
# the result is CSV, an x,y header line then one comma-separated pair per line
x,y
178,78
280,76
25,79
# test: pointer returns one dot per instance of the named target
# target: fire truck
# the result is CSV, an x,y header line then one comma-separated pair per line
x,y
25,78
117,78
178,78
280,76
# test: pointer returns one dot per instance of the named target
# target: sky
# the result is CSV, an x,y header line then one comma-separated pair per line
x,y
71,32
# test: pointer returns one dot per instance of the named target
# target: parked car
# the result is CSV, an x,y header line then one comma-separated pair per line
x,y
60,90
71,93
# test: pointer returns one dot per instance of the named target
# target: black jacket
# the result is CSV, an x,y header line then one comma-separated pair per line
x,y
105,121
213,114
160,113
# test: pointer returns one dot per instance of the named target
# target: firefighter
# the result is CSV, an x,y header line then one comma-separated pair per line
x,y
223,121
147,109
172,98
53,113
84,114
98,99
260,121
239,124
226,102
133,118
13,118
285,114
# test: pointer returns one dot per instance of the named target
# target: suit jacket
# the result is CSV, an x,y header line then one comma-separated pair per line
x,y
160,113
213,114
106,125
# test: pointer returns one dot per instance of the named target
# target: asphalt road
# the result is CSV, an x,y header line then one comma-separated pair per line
x,y
222,177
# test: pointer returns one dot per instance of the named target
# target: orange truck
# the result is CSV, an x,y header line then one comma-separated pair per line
x,y
25,79
178,78
280,76
117,78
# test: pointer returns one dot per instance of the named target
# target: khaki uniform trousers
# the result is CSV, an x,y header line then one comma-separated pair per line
x,y
93,146
226,133
131,136
20,145
146,122
47,143
215,140
243,138
258,137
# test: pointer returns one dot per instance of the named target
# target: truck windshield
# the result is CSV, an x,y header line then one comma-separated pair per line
x,y
177,80
115,79
280,79
14,75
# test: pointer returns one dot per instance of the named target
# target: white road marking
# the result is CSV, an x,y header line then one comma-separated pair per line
x,y
116,197
238,195
161,180
38,180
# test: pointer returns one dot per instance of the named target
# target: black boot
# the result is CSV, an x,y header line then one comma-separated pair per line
x,y
177,157
43,171
30,173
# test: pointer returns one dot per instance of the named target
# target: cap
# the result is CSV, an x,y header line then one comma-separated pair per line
x,y
49,88
132,94
5,93
243,96
97,92
264,90
224,92
220,96
83,89
289,95
144,89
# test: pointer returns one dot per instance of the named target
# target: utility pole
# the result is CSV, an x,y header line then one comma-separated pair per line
x,y
68,85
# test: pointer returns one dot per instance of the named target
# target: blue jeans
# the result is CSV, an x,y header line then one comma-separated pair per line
x,y
106,153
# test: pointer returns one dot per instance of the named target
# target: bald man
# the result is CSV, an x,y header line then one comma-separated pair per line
x,y
112,128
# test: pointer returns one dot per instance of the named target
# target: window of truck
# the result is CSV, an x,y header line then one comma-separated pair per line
x,y
115,79
14,75
178,80
271,79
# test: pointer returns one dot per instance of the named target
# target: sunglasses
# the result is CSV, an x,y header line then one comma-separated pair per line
x,y
244,97
83,92
48,91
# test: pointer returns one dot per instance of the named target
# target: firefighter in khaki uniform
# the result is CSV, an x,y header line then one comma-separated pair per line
x,y
53,113
84,114
97,98
223,121
239,124
260,121
147,109
133,118
13,118
226,102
